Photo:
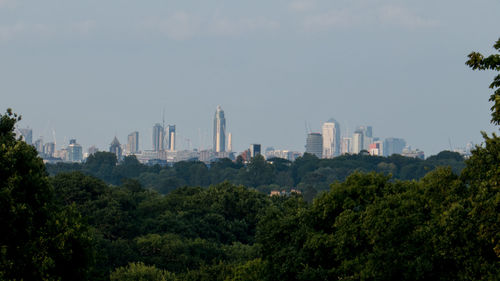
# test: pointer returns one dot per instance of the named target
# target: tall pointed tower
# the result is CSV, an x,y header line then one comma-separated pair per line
x,y
219,130
116,148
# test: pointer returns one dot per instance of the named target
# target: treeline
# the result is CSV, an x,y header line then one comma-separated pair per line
x,y
307,173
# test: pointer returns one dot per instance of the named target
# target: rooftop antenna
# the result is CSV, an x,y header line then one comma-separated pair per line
x,y
200,144
163,128
207,139
163,118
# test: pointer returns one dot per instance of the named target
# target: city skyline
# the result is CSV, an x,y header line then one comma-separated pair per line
x,y
91,74
360,139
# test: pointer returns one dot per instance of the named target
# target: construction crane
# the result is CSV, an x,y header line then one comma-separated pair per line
x,y
308,128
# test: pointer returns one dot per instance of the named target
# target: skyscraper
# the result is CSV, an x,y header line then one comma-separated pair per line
x,y
367,132
49,149
314,144
219,130
331,139
158,137
27,134
346,146
39,145
255,150
74,151
393,146
171,137
357,141
133,142
116,148
230,142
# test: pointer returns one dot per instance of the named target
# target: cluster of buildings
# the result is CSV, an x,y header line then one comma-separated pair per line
x,y
163,146
328,143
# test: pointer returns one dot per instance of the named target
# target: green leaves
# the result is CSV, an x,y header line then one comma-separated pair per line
x,y
40,239
140,272
372,228
478,62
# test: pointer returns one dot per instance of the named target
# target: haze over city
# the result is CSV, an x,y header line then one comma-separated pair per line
x,y
94,70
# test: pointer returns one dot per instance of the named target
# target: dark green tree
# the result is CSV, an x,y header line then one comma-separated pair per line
x,y
128,168
258,172
482,171
101,165
39,239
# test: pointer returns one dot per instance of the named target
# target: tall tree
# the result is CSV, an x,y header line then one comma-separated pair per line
x,y
38,240
482,171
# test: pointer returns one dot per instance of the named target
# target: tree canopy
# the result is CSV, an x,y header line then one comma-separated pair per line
x,y
40,239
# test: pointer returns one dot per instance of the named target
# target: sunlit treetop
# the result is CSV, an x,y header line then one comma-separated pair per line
x,y
492,62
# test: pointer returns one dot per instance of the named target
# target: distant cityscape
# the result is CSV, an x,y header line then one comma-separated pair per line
x,y
328,143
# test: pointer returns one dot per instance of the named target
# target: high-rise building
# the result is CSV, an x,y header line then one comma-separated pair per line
x,y
357,141
219,130
367,136
230,142
346,146
49,149
62,154
368,131
393,146
171,137
255,149
27,135
116,148
74,151
158,137
39,145
133,143
331,138
314,144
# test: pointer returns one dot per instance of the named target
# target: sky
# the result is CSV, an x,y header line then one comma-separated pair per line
x,y
92,70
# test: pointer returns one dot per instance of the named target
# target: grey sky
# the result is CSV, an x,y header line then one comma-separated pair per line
x,y
95,69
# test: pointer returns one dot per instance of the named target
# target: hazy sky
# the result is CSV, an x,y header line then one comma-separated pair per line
x,y
95,69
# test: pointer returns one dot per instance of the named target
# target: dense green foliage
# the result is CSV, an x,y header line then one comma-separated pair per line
x,y
307,173
96,221
369,228
188,228
140,272
40,239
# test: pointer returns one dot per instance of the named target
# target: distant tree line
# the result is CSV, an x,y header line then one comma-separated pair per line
x,y
307,173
